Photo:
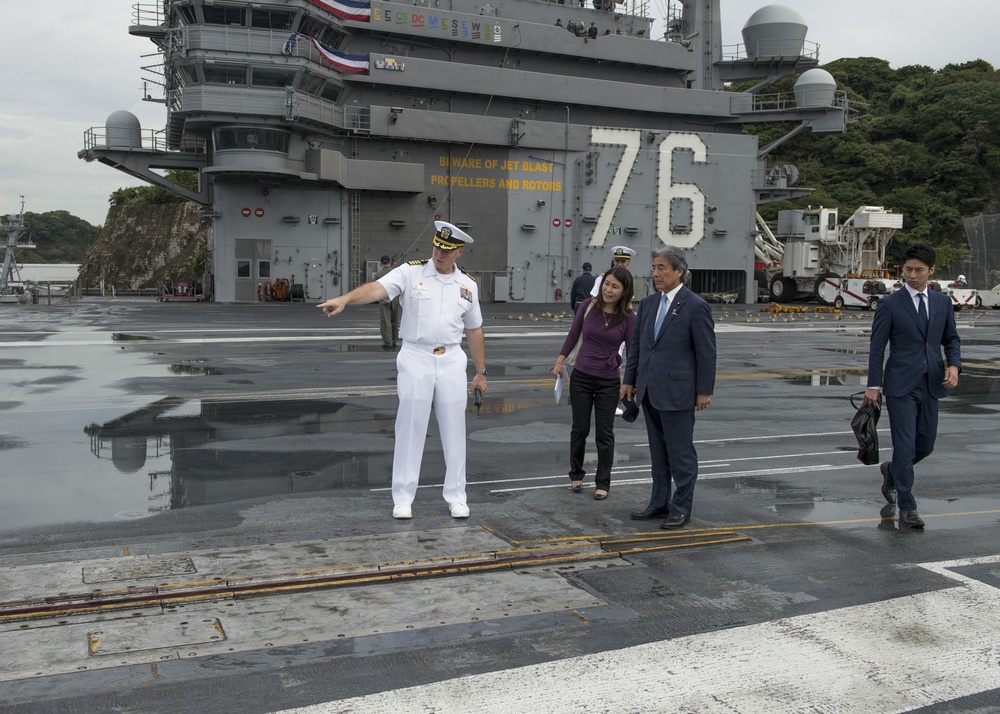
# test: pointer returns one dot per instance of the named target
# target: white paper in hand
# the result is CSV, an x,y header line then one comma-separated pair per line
x,y
559,384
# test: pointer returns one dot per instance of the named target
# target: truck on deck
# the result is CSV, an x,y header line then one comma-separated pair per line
x,y
989,298
813,256
959,291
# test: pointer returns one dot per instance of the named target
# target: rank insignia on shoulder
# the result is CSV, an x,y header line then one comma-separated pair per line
x,y
417,262
465,293
471,276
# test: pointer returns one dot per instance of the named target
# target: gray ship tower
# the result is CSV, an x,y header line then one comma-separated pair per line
x,y
329,132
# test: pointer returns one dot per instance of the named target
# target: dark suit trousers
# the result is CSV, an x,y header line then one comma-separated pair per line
x,y
913,424
598,395
671,448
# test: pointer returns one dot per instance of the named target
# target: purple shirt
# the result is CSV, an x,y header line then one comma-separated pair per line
x,y
598,354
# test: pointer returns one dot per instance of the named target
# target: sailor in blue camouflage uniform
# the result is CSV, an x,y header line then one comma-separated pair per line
x,y
440,303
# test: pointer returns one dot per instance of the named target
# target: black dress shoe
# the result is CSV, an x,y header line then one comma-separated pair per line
x,y
676,521
649,514
888,487
910,519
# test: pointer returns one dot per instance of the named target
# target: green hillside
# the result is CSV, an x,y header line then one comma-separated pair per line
x,y
59,237
926,143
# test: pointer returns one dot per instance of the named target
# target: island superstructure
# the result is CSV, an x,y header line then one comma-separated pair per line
x,y
327,133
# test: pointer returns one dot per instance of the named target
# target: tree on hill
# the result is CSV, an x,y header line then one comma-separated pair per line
x,y
59,237
927,145
145,195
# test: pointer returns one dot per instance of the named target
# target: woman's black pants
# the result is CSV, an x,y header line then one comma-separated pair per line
x,y
597,395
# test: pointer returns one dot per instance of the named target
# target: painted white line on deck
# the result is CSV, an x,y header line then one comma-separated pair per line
x,y
136,338
701,476
644,469
891,656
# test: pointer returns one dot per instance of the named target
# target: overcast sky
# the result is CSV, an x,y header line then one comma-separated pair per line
x,y
69,76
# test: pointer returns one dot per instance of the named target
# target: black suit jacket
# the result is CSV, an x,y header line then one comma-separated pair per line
x,y
911,354
679,364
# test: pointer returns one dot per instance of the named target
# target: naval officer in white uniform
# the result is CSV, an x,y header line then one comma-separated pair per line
x,y
621,256
440,303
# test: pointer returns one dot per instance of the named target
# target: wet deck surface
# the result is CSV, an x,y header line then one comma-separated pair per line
x,y
143,444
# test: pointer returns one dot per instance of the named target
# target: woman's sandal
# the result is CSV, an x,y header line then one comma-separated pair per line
x,y
600,495
576,486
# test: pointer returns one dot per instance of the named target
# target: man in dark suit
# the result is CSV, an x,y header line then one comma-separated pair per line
x,y
582,286
671,364
918,325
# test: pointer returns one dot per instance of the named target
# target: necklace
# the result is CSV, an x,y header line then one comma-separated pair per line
x,y
606,315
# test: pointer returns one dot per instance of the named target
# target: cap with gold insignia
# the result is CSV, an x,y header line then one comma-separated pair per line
x,y
623,252
448,237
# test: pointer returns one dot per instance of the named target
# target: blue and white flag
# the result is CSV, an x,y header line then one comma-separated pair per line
x,y
289,47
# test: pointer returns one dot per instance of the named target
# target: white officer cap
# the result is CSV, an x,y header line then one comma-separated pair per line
x,y
449,237
623,252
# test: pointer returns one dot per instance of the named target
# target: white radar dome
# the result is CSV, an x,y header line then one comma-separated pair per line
x,y
815,88
775,31
123,130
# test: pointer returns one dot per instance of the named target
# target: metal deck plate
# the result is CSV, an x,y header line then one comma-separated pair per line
x,y
138,568
181,627
153,633
486,602
45,579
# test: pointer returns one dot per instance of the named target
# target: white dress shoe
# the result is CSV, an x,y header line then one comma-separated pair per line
x,y
402,512
459,510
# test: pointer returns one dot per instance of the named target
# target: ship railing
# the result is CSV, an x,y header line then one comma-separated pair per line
x,y
315,110
148,15
808,98
358,119
768,51
284,102
150,140
216,38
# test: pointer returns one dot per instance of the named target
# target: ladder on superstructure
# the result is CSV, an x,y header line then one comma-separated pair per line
x,y
354,240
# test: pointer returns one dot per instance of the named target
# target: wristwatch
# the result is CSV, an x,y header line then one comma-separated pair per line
x,y
481,371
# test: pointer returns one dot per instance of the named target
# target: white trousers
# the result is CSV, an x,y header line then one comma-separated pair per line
x,y
425,379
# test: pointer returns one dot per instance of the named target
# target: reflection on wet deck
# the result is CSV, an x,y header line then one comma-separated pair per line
x,y
940,515
823,378
197,452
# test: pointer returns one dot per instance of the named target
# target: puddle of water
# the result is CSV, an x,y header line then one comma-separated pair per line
x,y
88,451
846,350
976,393
509,405
91,457
831,379
939,514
